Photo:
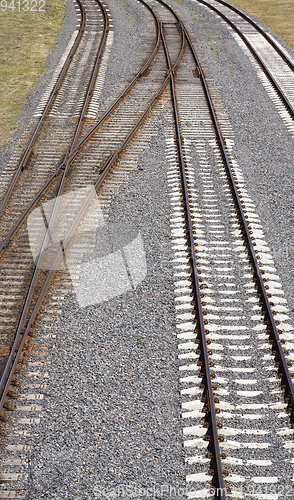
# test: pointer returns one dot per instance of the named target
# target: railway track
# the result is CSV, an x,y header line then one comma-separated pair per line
x,y
274,66
212,226
76,180
50,141
230,313
53,186
43,110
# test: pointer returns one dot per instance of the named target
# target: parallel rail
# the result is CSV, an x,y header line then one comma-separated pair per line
x,y
76,148
263,66
64,174
281,363
27,319
277,348
211,418
27,154
260,30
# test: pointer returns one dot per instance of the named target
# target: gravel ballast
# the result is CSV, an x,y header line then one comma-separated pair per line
x,y
111,418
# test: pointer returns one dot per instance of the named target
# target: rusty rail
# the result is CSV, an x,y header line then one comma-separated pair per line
x,y
274,83
25,323
51,99
260,30
76,149
253,255
212,429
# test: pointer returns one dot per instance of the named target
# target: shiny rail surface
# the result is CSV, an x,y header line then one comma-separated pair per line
x,y
260,30
28,152
32,305
26,321
270,77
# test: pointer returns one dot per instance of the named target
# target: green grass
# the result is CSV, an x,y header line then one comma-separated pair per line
x,y
276,14
26,41
28,37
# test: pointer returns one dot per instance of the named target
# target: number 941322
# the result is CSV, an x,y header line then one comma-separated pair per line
x,y
24,5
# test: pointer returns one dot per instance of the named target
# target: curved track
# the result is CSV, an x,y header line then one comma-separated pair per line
x,y
269,39
207,200
273,61
22,188
57,186
51,99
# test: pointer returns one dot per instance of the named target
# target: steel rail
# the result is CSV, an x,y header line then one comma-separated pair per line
x,y
212,432
269,319
276,86
264,296
260,30
51,99
87,137
21,335
64,173
93,77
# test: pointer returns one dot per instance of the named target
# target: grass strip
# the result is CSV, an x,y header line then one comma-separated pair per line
x,y
278,15
27,38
